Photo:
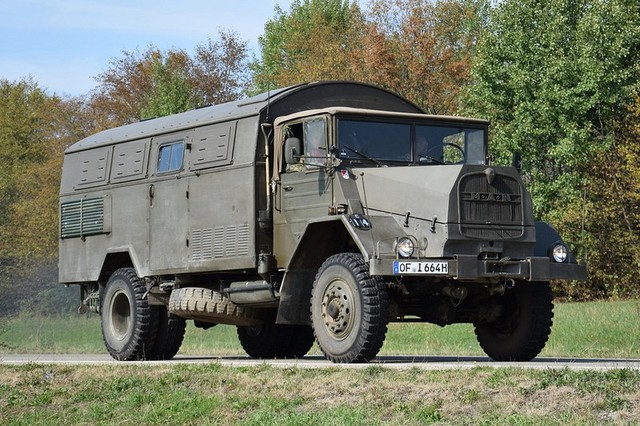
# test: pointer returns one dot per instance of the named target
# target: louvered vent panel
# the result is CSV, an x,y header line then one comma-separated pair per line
x,y
243,240
82,217
230,241
218,242
231,238
202,244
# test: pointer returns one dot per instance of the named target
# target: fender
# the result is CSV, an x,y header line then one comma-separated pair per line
x,y
295,292
120,257
546,236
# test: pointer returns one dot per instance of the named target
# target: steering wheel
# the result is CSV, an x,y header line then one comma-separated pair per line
x,y
459,148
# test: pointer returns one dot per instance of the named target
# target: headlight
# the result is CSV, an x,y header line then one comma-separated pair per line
x,y
405,247
559,253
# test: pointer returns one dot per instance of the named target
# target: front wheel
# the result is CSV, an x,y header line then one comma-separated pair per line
x,y
129,324
523,329
349,309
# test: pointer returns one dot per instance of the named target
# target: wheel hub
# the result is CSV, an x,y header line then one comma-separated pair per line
x,y
337,309
120,315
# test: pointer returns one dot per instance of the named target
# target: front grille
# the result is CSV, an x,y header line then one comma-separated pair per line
x,y
82,217
490,208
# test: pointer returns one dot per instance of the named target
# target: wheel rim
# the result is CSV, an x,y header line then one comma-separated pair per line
x,y
120,314
338,309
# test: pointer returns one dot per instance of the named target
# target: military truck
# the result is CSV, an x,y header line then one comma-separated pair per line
x,y
317,212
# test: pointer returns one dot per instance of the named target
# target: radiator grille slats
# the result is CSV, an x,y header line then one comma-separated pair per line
x,y
490,210
82,217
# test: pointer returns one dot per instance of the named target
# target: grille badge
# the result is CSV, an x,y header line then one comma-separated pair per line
x,y
490,174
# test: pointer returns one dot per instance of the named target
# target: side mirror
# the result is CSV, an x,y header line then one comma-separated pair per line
x,y
292,150
516,161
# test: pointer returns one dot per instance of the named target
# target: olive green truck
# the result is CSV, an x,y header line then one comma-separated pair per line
x,y
314,213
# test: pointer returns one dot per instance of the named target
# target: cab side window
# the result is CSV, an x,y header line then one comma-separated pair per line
x,y
170,157
315,141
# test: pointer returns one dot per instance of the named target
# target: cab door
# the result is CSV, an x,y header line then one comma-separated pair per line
x,y
305,191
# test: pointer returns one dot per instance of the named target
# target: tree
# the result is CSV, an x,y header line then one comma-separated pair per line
x,y
555,77
419,49
169,91
313,41
220,72
154,83
34,129
21,108
430,44
613,207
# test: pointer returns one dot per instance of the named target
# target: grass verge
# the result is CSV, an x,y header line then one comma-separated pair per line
x,y
214,394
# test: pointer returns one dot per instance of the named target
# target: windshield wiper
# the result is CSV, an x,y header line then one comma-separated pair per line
x,y
366,157
423,158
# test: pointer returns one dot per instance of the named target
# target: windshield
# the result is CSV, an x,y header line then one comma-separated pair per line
x,y
386,143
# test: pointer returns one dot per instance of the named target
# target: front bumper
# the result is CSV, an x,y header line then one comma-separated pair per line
x,y
469,268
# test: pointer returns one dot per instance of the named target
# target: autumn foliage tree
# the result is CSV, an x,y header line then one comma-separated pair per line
x,y
154,83
426,48
419,49
613,208
35,127
313,41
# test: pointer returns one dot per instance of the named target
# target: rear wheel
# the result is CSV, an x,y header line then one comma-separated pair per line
x,y
349,309
301,341
524,326
128,322
169,336
270,340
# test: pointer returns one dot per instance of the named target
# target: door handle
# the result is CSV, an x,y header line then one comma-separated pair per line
x,y
152,193
288,188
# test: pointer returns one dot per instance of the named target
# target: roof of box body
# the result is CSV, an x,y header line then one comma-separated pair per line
x,y
275,103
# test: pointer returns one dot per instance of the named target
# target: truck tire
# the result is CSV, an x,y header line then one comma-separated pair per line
x,y
523,329
349,309
202,304
270,340
170,335
128,321
301,341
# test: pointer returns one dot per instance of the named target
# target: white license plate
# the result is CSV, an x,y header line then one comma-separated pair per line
x,y
413,267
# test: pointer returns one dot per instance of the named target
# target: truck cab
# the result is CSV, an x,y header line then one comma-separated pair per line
x,y
415,198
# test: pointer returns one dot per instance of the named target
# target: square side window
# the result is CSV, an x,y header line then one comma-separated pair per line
x,y
170,157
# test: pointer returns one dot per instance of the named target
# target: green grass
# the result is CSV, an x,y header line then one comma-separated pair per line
x,y
213,394
595,329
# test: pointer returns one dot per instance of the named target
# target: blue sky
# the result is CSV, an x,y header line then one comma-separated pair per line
x,y
63,44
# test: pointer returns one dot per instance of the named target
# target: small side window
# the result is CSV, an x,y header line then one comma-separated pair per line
x,y
315,141
170,157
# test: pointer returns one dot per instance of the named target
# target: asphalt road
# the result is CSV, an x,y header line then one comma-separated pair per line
x,y
399,362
